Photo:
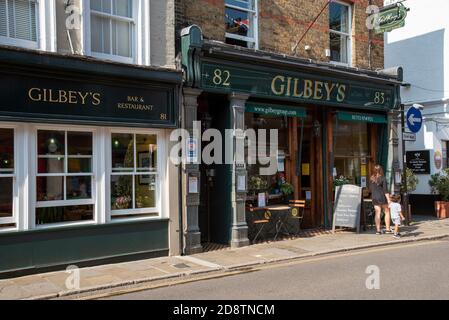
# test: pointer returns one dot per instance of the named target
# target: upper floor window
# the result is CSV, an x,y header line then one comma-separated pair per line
x,y
18,22
241,22
340,32
112,29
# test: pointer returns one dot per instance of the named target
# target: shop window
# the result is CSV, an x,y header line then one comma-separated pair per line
x,y
64,180
112,29
351,151
260,183
18,22
7,178
241,22
340,32
134,176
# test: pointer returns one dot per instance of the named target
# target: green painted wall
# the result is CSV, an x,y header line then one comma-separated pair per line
x,y
38,249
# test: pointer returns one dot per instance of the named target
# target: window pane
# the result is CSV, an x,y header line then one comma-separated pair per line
x,y
238,22
123,8
50,188
101,34
51,142
6,151
64,214
121,37
3,29
80,165
145,191
350,168
121,192
146,146
51,165
352,139
339,48
245,4
6,197
339,17
122,152
79,143
79,188
96,5
23,15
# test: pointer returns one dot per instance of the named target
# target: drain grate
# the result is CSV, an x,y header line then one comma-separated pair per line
x,y
181,266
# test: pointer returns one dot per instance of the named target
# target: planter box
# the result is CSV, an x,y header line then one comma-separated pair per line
x,y
442,209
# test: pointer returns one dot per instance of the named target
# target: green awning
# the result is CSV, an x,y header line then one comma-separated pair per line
x,y
275,110
362,117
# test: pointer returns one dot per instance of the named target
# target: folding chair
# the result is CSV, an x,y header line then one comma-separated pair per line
x,y
258,224
297,213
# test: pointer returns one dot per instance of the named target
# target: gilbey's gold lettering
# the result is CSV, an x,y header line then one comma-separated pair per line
x,y
63,96
308,89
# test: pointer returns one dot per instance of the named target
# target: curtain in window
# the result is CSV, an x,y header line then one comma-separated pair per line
x,y
18,19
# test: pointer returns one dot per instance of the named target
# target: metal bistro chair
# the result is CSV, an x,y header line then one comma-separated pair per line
x,y
297,213
259,224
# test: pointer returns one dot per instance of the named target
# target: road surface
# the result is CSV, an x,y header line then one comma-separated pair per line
x,y
416,271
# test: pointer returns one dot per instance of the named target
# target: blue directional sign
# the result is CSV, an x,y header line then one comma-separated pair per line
x,y
414,119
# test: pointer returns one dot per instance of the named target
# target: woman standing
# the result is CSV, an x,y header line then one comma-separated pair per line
x,y
380,197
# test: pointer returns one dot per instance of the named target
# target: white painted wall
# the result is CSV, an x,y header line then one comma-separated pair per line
x,y
422,49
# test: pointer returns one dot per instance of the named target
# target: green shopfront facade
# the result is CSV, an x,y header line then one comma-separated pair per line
x,y
84,173
333,122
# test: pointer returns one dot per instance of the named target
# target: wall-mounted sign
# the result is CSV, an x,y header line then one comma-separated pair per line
x,y
275,110
414,119
300,87
359,117
192,150
42,96
241,183
193,184
438,159
418,161
409,136
390,18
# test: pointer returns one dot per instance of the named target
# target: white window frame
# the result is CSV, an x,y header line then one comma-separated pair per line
x,y
348,35
62,203
9,41
138,28
255,12
25,204
155,213
15,201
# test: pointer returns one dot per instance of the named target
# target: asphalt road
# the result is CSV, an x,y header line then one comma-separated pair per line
x,y
417,271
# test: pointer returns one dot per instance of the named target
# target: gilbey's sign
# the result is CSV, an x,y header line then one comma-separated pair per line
x,y
307,88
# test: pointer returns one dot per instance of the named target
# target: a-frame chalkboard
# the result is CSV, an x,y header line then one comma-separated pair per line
x,y
348,207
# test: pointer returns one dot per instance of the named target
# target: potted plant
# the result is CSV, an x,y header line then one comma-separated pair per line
x,y
340,181
412,181
439,183
287,191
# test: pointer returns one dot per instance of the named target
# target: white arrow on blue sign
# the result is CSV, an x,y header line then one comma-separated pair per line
x,y
414,119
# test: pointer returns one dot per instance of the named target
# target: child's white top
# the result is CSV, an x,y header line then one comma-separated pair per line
x,y
395,209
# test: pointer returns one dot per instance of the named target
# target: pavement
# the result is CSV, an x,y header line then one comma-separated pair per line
x,y
412,271
169,270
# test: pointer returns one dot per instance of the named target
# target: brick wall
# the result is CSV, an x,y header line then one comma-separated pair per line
x,y
283,22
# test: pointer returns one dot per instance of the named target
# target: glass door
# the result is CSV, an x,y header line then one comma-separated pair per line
x,y
7,179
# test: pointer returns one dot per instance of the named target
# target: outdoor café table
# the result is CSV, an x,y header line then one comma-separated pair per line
x,y
279,215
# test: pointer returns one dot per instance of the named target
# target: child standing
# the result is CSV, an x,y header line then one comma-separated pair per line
x,y
396,214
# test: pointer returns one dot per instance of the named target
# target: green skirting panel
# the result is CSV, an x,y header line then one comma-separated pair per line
x,y
86,245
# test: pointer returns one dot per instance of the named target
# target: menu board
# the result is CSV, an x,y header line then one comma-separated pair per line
x,y
348,205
